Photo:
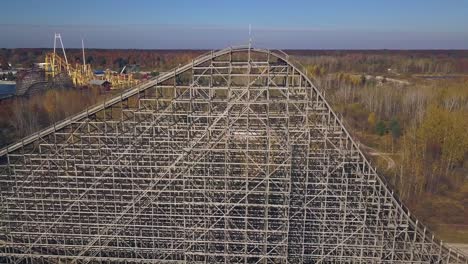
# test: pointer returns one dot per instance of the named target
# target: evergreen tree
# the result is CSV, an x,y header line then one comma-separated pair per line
x,y
395,128
381,128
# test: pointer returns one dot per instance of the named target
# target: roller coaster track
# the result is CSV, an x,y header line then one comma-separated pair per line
x,y
234,157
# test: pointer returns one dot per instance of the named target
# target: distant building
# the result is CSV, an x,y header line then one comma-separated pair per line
x,y
99,72
5,72
40,65
103,83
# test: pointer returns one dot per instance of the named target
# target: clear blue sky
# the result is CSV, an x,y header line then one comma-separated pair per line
x,y
206,24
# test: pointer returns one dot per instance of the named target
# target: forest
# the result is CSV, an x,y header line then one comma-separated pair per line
x,y
102,59
408,110
417,124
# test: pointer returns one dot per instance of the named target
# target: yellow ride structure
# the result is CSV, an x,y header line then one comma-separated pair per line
x,y
120,80
81,74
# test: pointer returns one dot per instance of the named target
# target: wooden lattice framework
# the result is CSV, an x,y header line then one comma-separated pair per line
x,y
235,157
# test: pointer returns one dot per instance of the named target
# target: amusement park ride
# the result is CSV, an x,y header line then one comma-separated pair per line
x,y
81,74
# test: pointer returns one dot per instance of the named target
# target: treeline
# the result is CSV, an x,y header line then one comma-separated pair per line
x,y
387,62
150,60
370,62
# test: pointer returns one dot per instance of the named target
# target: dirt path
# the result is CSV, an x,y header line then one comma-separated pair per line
x,y
462,247
381,78
386,156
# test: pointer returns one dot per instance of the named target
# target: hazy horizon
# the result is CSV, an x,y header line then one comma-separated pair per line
x,y
333,25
